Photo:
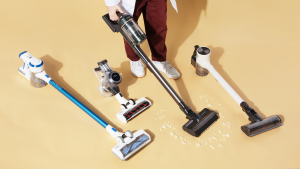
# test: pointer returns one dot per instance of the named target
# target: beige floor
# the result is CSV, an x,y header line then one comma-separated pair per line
x,y
254,47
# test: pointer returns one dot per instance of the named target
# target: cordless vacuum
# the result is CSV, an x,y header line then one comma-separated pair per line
x,y
128,142
109,80
198,122
201,61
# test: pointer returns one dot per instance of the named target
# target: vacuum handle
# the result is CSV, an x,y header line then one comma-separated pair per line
x,y
78,103
119,14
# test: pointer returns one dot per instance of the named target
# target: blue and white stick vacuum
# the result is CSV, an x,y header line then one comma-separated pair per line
x,y
128,142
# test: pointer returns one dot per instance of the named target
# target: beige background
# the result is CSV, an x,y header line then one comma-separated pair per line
x,y
254,47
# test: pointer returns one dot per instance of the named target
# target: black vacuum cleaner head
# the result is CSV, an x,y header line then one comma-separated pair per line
x,y
198,123
258,124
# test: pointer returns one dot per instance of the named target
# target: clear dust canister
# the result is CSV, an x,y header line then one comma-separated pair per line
x,y
131,29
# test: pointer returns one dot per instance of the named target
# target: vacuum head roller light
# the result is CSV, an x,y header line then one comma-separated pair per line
x,y
201,61
109,81
128,143
135,36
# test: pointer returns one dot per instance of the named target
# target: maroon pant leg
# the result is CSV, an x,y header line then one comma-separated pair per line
x,y
155,18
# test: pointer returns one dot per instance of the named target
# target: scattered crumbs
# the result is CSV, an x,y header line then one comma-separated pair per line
x,y
211,99
220,104
175,136
222,116
156,113
190,140
228,126
189,143
164,126
184,139
170,126
223,123
220,145
163,116
156,119
159,118
205,143
223,135
161,129
181,137
215,138
224,139
172,133
227,135
197,145
206,100
174,128
209,105
212,146
183,142
209,138
220,131
163,109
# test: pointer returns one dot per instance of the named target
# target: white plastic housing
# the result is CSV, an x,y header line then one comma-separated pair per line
x,y
30,65
117,149
130,107
204,61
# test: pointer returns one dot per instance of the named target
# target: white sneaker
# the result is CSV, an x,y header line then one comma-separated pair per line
x,y
167,68
137,68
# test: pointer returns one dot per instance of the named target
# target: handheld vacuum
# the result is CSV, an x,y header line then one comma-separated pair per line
x,y
201,61
109,80
128,143
198,122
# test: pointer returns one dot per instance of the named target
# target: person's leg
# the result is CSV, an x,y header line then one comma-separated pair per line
x,y
155,18
136,66
139,5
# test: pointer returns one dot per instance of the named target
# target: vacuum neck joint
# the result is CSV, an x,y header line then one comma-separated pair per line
x,y
189,112
253,116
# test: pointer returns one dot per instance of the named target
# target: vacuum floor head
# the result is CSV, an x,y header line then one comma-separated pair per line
x,y
198,123
132,109
131,144
258,124
262,126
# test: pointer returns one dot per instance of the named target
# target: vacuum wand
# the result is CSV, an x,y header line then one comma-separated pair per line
x,y
201,61
197,123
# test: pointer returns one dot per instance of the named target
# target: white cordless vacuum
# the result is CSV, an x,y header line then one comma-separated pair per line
x,y
201,61
128,143
109,80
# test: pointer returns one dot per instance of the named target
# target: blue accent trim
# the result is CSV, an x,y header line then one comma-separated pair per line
x,y
47,76
30,64
39,64
78,103
114,129
23,65
22,53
